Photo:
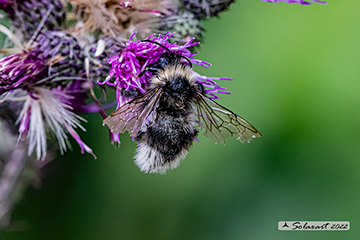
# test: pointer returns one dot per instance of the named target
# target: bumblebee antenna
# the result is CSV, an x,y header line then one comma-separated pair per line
x,y
147,40
187,59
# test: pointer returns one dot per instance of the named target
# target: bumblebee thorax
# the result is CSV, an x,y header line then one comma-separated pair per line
x,y
170,72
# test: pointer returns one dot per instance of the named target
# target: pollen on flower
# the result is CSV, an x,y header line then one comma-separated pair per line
x,y
138,55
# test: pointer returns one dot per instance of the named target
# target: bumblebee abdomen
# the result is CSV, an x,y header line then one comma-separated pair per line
x,y
165,143
170,135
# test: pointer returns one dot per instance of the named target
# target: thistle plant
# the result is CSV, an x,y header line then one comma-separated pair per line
x,y
43,89
56,52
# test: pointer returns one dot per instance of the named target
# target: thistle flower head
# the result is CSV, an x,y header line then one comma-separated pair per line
x,y
137,55
49,110
64,55
29,15
20,71
47,80
301,2
99,53
185,25
206,8
119,18
56,56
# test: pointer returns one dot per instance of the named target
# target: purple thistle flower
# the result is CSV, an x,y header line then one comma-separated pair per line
x,y
302,2
20,70
138,55
47,80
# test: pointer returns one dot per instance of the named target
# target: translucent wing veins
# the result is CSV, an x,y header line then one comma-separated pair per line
x,y
134,115
220,122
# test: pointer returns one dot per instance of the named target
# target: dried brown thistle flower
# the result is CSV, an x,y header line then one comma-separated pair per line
x,y
119,18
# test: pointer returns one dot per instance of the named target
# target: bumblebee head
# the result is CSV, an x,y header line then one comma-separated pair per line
x,y
177,85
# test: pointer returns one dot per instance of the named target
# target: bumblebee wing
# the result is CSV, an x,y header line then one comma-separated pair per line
x,y
220,122
136,114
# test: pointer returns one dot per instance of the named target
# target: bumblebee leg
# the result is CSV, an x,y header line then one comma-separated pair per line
x,y
201,88
139,135
129,93
196,133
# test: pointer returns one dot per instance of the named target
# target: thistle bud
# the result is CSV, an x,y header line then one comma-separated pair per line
x,y
184,24
27,15
206,8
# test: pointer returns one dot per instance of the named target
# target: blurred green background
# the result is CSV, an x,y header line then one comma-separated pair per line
x,y
296,78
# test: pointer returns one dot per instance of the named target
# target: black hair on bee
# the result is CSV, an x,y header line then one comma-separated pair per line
x,y
165,118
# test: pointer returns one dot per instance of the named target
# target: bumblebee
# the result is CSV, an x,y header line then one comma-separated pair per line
x,y
164,119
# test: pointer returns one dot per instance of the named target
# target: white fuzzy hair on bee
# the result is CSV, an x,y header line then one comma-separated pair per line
x,y
150,161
